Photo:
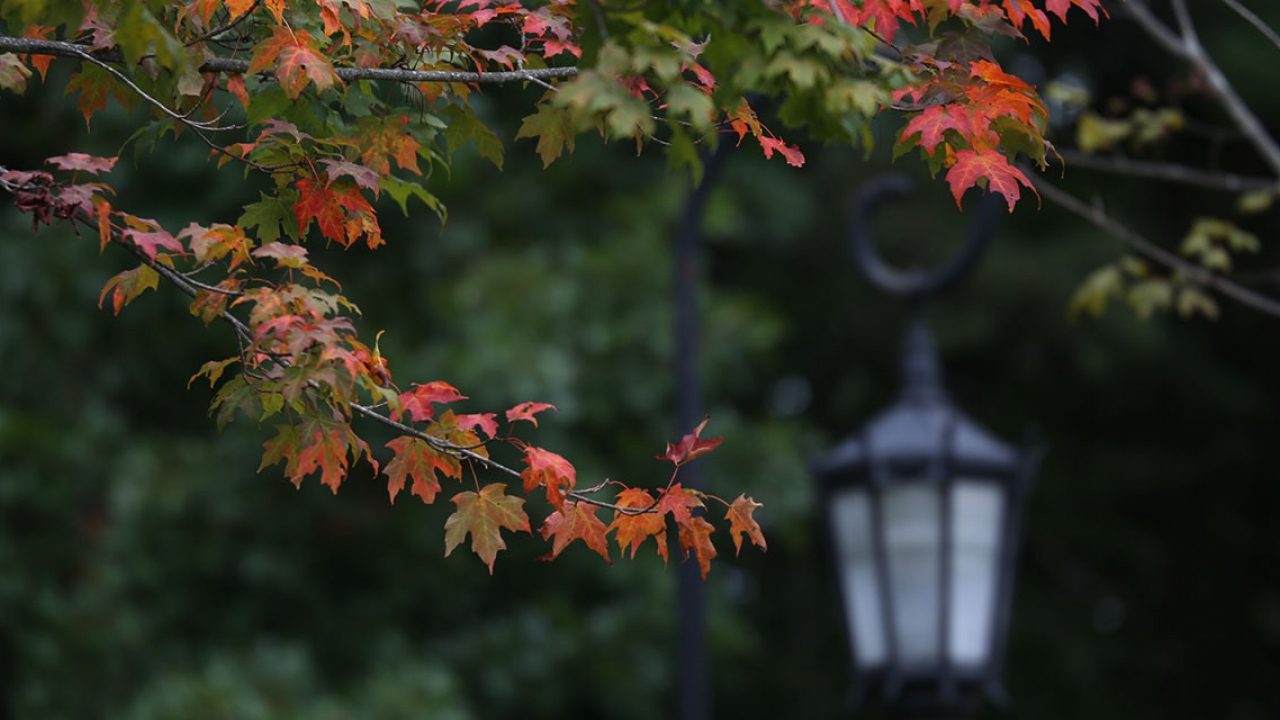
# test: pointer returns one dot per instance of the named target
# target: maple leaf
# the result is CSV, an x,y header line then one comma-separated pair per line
x,y
417,459
992,169
934,121
575,521
297,61
13,73
679,502
148,241
742,523
128,285
550,125
81,162
1019,10
363,176
790,153
286,255
485,421
484,515
695,536
633,529
324,449
315,203
551,471
94,85
527,410
419,401
690,446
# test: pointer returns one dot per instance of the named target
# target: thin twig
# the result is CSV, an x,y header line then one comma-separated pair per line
x,y
1152,251
1255,21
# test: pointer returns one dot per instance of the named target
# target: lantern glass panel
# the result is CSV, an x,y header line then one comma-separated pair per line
x,y
851,526
913,547
977,508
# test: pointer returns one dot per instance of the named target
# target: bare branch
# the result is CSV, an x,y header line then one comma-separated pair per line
x,y
1152,251
1171,172
59,48
1188,48
1255,21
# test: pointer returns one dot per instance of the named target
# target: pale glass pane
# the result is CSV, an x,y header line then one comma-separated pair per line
x,y
912,543
851,525
977,515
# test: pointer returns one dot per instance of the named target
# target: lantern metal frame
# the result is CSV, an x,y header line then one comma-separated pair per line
x,y
924,438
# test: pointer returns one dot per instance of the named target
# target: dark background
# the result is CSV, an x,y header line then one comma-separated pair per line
x,y
147,571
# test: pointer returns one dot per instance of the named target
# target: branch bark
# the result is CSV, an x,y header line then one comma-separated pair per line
x,y
58,48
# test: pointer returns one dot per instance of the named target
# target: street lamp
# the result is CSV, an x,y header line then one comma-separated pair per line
x,y
923,507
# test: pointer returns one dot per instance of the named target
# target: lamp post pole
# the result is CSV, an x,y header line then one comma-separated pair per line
x,y
923,507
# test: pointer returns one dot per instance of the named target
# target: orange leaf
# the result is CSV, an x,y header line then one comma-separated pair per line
x,y
296,60
575,521
551,471
742,523
633,529
695,535
483,515
690,446
417,459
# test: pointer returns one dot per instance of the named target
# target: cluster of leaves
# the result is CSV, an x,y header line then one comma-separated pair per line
x,y
329,104
300,362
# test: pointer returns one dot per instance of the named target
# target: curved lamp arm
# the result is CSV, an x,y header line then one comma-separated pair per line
x,y
913,284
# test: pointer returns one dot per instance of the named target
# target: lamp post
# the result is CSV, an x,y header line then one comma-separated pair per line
x,y
923,508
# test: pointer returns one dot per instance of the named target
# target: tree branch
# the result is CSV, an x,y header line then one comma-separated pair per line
x,y
58,48
244,336
1187,46
1195,273
1171,172
1255,21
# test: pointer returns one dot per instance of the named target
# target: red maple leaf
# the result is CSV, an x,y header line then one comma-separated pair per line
x,y
315,202
575,521
484,421
419,402
690,446
551,471
527,410
680,502
633,529
990,168
935,120
483,515
742,523
415,458
695,535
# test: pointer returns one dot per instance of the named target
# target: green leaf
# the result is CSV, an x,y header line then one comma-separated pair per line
x,y
463,125
1098,288
402,190
269,101
1150,296
1257,201
270,215
550,125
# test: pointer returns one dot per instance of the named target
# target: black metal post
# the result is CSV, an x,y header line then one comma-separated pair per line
x,y
693,682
